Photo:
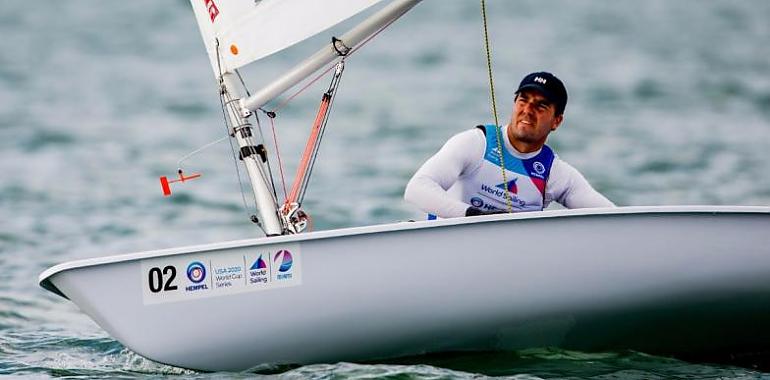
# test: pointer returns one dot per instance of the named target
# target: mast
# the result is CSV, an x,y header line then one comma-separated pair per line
x,y
226,22
270,213
253,155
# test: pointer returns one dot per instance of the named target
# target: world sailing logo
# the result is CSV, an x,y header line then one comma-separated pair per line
x,y
259,264
511,186
258,271
212,8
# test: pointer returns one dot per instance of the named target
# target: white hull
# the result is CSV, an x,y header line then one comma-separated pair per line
x,y
655,279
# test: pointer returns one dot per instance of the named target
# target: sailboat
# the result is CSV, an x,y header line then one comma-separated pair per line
x,y
672,280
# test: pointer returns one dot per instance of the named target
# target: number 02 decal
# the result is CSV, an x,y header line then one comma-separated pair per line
x,y
162,280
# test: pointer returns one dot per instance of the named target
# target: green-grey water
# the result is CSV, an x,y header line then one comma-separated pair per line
x,y
669,104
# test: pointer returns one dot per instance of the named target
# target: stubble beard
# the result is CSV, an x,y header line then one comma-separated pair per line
x,y
529,137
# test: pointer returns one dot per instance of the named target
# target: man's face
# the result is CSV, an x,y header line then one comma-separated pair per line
x,y
534,117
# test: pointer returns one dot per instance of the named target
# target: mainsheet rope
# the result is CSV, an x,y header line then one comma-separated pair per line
x,y
498,128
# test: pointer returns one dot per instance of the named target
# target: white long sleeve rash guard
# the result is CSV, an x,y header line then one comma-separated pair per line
x,y
431,187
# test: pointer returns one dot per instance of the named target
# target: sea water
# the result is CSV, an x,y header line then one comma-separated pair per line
x,y
669,104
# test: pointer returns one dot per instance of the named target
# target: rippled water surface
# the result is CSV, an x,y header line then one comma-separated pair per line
x,y
669,104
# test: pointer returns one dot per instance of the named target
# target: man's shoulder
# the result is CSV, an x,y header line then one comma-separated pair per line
x,y
485,128
563,171
467,146
561,166
475,134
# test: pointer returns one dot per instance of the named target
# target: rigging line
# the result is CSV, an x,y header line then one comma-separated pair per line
x,y
242,82
235,159
332,93
335,81
196,151
233,110
311,148
252,149
311,152
245,124
322,74
264,142
219,62
228,130
278,154
269,168
498,128
301,90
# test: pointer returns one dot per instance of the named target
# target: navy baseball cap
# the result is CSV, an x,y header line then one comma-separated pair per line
x,y
548,85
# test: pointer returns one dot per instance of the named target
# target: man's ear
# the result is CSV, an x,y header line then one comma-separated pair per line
x,y
556,122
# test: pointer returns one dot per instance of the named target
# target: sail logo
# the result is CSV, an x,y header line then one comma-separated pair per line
x,y
285,259
196,273
258,264
212,8
258,272
511,186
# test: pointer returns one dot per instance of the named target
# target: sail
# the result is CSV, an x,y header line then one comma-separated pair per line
x,y
248,30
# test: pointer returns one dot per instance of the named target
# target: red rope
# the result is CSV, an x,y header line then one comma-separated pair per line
x,y
309,148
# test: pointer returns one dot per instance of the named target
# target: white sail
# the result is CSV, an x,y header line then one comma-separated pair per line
x,y
248,30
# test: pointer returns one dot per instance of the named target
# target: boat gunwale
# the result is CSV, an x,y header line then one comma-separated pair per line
x,y
44,278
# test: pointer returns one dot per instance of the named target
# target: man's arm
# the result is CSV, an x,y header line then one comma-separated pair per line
x,y
572,190
428,187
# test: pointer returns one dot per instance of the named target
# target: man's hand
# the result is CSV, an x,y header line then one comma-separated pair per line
x,y
473,211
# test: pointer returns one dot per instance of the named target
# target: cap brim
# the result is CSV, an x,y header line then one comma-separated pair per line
x,y
539,89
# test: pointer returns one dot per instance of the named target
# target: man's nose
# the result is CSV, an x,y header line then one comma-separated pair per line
x,y
528,107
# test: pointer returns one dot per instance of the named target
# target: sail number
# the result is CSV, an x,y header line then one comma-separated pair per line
x,y
162,280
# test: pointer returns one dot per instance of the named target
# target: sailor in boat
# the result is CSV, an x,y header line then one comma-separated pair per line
x,y
471,175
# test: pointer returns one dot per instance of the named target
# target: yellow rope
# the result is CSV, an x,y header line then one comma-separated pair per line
x,y
498,129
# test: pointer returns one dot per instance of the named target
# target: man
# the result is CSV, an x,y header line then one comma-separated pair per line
x,y
465,177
